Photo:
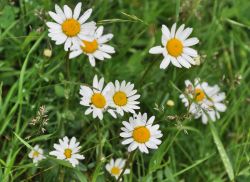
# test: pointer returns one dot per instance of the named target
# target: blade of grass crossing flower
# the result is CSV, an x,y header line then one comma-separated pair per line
x,y
222,152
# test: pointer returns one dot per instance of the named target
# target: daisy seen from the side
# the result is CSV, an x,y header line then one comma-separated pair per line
x,y
36,154
69,27
115,167
203,100
68,150
176,47
95,49
140,133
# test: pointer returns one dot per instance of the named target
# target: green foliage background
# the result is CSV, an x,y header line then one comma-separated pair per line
x,y
216,152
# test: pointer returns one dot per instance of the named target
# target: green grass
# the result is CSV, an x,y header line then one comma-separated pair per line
x,y
190,151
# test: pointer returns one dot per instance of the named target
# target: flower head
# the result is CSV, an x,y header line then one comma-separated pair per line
x,y
176,47
95,49
140,133
203,100
68,150
115,167
123,97
70,28
36,154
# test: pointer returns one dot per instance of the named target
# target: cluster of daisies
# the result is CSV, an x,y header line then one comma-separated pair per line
x,y
119,97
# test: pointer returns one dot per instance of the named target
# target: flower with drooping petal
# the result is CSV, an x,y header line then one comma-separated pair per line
x,y
36,154
140,133
176,47
115,167
96,98
203,100
95,49
70,28
68,150
123,97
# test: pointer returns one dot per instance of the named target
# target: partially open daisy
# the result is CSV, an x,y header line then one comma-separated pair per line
x,y
68,150
96,98
140,133
70,28
95,49
36,154
176,47
203,100
123,97
115,167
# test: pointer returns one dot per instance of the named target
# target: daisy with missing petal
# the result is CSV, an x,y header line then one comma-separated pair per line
x,y
176,47
96,98
123,97
140,133
115,167
70,28
68,150
95,49
36,154
203,100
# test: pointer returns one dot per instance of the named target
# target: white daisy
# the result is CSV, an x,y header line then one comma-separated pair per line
x,y
140,133
203,100
123,97
176,47
95,49
70,28
96,98
115,168
36,154
68,150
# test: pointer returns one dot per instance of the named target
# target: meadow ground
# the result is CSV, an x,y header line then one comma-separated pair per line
x,y
190,150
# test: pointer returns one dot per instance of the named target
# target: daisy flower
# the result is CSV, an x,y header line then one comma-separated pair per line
x,y
96,98
140,133
95,49
70,27
68,150
176,47
115,167
203,100
36,154
123,97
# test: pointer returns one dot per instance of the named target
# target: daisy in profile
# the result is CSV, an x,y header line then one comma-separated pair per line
x,y
176,47
123,97
95,49
68,150
69,27
140,133
203,100
115,167
36,154
96,98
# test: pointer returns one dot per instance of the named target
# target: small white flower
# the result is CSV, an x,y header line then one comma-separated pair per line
x,y
176,47
68,150
96,98
36,154
123,97
95,49
203,100
140,133
70,28
116,167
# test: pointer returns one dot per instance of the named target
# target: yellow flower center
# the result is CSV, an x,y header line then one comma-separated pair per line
x,y
89,47
199,95
174,47
98,100
115,171
35,154
141,134
120,98
71,27
68,153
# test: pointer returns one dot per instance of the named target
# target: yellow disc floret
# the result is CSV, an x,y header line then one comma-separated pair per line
x,y
120,98
71,27
141,134
68,153
115,171
174,47
199,94
98,100
89,47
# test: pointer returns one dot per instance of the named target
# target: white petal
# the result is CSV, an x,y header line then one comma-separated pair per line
x,y
156,50
179,31
183,62
190,42
99,32
77,11
67,12
165,62
57,18
60,12
175,62
165,31
105,38
191,52
74,54
85,16
172,32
